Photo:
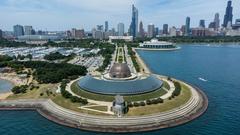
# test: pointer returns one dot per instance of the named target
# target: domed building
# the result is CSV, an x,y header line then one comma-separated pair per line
x,y
120,70
120,81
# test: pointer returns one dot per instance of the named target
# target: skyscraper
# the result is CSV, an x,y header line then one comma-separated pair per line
x,y
187,26
106,26
217,21
134,23
100,28
78,34
120,29
202,23
151,29
28,30
141,30
173,31
156,31
18,30
228,15
165,29
1,33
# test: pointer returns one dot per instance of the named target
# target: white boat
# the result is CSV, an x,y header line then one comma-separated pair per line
x,y
202,79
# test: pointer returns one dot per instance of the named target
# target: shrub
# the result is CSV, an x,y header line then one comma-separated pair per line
x,y
142,103
148,102
19,89
177,90
159,100
130,104
136,104
41,94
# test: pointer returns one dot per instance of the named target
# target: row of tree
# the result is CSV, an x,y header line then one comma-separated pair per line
x,y
5,58
143,103
45,72
58,56
19,89
134,58
106,51
68,95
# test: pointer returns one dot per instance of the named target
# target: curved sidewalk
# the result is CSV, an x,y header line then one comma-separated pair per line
x,y
196,106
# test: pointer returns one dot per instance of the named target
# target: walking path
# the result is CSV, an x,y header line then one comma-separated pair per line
x,y
191,110
101,103
142,63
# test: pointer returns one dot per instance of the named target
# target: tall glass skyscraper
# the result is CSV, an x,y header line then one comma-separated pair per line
x,y
228,15
134,23
165,29
217,21
202,23
141,30
18,30
187,26
120,29
106,26
28,30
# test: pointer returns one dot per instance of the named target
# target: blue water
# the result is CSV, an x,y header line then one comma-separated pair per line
x,y
219,65
5,86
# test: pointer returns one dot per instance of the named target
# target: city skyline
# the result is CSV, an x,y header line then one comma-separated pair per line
x,y
15,12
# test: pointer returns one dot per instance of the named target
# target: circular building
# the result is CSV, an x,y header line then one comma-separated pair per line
x,y
120,70
120,87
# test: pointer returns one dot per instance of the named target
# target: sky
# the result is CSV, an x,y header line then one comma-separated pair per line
x,y
57,15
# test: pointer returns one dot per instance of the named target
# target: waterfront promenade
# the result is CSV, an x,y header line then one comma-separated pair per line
x,y
196,106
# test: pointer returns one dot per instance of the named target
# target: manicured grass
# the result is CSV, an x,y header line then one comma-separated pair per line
x,y
99,108
120,59
166,106
166,85
155,94
66,103
89,95
146,96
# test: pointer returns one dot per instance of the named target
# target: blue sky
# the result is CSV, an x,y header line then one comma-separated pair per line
x,y
67,14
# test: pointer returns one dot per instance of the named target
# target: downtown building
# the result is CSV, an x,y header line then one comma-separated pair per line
x,y
187,29
1,33
165,30
151,31
216,23
202,32
141,33
134,24
77,34
28,30
228,17
120,29
18,30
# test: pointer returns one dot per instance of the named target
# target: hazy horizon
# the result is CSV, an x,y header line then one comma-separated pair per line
x,y
60,15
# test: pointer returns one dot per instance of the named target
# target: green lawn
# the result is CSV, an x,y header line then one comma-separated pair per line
x,y
35,93
155,94
66,103
99,108
166,106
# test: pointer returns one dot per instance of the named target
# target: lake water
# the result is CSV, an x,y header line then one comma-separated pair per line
x,y
5,86
215,69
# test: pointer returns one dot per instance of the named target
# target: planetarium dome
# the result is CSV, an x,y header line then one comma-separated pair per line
x,y
120,70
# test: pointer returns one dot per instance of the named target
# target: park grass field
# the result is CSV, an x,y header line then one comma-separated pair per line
x,y
176,102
